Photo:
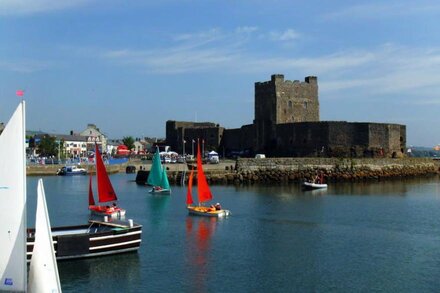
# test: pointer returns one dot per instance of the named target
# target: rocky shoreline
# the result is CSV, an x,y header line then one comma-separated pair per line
x,y
299,169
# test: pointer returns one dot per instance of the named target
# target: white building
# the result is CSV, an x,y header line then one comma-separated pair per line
x,y
74,145
94,135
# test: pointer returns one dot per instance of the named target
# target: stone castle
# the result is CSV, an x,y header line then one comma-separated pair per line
x,y
287,123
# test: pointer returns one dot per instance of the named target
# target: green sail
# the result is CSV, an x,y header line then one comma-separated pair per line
x,y
155,175
164,183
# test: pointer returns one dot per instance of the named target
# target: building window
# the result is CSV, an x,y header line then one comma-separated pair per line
x,y
305,105
290,104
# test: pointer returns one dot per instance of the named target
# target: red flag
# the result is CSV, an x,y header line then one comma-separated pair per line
x,y
19,93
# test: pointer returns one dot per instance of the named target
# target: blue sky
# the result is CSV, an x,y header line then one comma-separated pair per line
x,y
129,66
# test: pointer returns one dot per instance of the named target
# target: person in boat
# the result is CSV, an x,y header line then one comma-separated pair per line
x,y
217,206
157,188
317,180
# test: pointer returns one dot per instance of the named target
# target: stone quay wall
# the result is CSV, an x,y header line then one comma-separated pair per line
x,y
333,169
275,170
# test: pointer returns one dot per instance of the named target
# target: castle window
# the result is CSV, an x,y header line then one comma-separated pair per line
x,y
305,105
290,104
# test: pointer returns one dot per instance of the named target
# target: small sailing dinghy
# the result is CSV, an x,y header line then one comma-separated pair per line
x,y
158,176
203,193
43,272
106,192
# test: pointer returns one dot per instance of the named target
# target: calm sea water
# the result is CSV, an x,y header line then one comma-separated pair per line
x,y
371,237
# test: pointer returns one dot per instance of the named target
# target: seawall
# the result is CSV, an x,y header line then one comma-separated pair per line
x,y
333,169
273,170
43,170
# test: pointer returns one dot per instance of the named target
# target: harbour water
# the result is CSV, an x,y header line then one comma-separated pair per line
x,y
379,237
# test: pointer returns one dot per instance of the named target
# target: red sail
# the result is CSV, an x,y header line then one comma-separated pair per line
x,y
203,191
91,199
189,199
105,188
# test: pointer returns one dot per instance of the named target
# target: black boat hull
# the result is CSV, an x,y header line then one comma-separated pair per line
x,y
96,239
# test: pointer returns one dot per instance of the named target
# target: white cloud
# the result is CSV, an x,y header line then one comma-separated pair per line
x,y
410,73
287,35
204,36
246,29
24,66
25,7
384,10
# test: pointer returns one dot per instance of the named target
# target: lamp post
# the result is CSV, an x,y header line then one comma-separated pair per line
x,y
184,141
193,147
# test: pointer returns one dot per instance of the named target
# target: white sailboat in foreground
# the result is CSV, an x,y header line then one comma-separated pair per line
x,y
43,272
13,267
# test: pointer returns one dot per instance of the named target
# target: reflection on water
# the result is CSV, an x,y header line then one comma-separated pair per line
x,y
157,205
102,274
199,231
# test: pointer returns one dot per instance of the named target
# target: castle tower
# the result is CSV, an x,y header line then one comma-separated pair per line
x,y
281,101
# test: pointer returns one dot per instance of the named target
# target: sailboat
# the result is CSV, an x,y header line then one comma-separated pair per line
x,y
13,256
158,177
96,238
106,192
203,193
43,270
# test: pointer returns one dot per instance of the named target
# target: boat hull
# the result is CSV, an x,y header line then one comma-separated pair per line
x,y
160,191
311,186
71,171
96,239
104,211
207,212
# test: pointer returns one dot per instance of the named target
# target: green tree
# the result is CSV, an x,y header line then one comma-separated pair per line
x,y
47,146
62,149
128,142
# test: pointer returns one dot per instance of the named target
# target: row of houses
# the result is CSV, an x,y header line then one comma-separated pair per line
x,y
83,143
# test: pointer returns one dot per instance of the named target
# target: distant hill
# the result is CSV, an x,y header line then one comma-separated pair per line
x,y
423,152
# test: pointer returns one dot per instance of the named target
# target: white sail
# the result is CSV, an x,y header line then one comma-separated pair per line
x,y
43,271
13,266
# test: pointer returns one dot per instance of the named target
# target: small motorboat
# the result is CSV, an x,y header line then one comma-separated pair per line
x,y
97,238
71,170
316,183
311,185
